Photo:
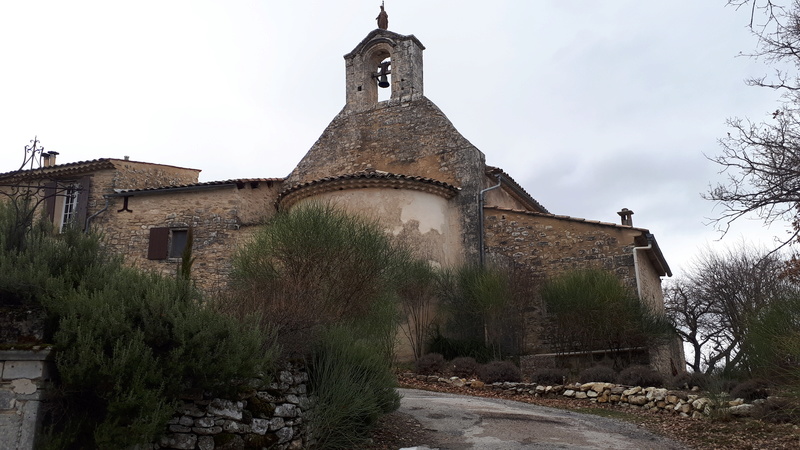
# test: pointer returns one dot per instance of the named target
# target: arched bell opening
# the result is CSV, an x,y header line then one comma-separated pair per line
x,y
378,64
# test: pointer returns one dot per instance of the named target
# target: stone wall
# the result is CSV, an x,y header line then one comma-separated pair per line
x,y
551,245
685,403
221,217
24,379
133,175
272,417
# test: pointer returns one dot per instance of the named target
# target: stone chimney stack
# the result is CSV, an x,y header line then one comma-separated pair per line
x,y
49,159
627,216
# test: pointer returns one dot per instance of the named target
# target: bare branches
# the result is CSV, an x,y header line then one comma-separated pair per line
x,y
761,160
714,306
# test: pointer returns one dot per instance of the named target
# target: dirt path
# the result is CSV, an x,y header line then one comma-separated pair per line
x,y
462,422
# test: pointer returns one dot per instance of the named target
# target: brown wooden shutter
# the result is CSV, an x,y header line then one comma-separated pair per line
x,y
159,240
50,199
83,202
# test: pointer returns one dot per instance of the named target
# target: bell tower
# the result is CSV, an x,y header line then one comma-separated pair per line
x,y
383,60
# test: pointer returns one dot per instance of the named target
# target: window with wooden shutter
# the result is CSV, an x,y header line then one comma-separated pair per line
x,y
50,200
83,203
159,243
178,241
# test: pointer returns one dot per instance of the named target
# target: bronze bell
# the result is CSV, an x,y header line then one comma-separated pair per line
x,y
383,80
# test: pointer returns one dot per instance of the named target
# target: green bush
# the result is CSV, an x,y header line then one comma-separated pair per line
x,y
499,371
429,364
478,303
329,282
688,380
313,267
352,385
451,348
640,376
128,344
602,374
549,377
751,390
126,354
464,366
592,309
779,410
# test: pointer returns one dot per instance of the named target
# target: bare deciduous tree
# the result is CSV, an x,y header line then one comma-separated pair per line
x,y
714,305
762,158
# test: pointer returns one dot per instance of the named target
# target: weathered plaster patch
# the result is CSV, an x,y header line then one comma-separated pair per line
x,y
23,386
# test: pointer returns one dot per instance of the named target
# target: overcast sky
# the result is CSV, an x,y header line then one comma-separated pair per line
x,y
591,106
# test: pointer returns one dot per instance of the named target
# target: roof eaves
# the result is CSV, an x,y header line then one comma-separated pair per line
x,y
239,183
62,169
516,188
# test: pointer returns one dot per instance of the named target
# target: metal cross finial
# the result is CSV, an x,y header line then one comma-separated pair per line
x,y
31,153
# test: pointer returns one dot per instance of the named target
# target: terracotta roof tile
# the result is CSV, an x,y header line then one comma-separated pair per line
x,y
239,182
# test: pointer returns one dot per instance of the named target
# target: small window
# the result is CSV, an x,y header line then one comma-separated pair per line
x,y
177,243
70,209
167,243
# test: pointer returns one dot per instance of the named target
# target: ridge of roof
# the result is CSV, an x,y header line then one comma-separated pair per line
x,y
570,218
492,170
646,234
86,165
377,174
61,168
219,183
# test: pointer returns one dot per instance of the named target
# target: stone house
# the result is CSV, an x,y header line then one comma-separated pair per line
x,y
399,161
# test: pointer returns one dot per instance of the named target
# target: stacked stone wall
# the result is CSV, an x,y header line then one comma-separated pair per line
x,y
550,245
270,417
685,403
221,218
24,383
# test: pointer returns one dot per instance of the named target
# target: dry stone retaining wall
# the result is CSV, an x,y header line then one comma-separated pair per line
x,y
266,418
24,376
686,404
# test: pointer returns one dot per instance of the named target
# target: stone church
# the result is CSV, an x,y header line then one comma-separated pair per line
x,y
399,161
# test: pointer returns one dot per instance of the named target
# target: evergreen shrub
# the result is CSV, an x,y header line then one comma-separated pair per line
x,y
430,364
549,377
352,385
602,374
751,389
464,366
640,376
499,371
127,343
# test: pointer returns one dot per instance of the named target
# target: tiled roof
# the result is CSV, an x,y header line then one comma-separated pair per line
x,y
570,218
646,236
238,182
494,171
366,179
77,167
63,169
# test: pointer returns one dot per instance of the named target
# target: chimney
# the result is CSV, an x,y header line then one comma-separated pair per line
x,y
626,216
49,159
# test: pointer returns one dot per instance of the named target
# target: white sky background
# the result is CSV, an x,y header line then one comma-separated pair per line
x,y
591,106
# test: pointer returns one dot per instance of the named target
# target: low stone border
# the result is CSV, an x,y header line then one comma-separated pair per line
x,y
686,404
